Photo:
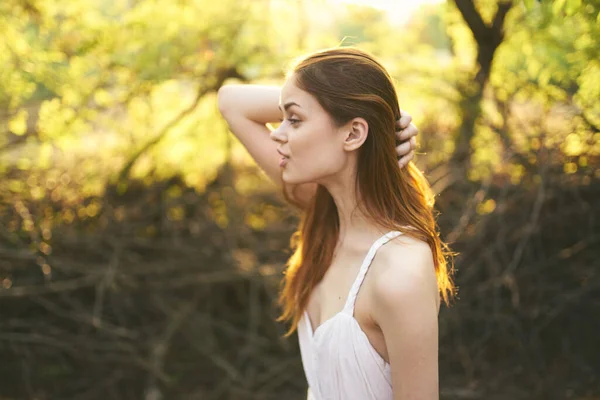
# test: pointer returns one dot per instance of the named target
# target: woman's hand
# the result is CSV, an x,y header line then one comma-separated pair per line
x,y
406,133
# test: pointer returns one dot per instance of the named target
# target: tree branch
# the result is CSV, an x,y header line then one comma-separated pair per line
x,y
221,76
473,19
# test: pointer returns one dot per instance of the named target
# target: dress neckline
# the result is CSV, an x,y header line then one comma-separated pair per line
x,y
348,308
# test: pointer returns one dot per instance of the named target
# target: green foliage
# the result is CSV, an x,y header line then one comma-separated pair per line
x,y
97,80
112,87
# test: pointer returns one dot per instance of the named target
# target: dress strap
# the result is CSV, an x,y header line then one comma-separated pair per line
x,y
349,306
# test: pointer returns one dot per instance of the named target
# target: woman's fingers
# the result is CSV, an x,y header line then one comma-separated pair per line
x,y
407,132
404,120
408,145
404,148
406,159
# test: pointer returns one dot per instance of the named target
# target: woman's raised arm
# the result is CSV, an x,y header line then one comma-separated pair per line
x,y
247,109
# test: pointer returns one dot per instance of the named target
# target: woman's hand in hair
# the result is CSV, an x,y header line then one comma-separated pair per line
x,y
406,133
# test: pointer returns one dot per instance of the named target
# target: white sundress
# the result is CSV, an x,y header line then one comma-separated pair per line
x,y
338,359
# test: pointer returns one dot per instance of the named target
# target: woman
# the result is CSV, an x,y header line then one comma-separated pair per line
x,y
362,336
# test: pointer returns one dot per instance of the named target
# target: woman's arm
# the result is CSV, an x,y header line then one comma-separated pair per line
x,y
406,309
247,109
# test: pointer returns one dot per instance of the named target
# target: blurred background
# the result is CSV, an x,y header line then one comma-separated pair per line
x,y
141,248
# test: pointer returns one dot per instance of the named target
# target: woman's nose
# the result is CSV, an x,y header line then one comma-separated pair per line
x,y
278,135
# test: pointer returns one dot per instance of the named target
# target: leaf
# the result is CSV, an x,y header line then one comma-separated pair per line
x,y
557,6
528,4
18,125
572,6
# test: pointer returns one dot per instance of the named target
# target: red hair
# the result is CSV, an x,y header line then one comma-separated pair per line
x,y
348,83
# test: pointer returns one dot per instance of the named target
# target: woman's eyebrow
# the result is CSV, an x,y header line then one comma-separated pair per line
x,y
289,104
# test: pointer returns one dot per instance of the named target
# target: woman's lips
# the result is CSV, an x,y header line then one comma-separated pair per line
x,y
283,161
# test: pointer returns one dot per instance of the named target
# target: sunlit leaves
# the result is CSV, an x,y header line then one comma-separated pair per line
x,y
463,43
58,121
529,3
487,154
96,80
588,94
18,124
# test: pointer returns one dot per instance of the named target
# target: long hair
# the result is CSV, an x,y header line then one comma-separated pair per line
x,y
348,83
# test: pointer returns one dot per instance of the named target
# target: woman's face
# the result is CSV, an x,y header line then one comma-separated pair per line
x,y
313,146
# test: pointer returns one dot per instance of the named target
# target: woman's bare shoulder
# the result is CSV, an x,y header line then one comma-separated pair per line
x,y
404,268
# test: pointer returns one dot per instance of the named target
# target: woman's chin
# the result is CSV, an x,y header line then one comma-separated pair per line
x,y
290,179
286,178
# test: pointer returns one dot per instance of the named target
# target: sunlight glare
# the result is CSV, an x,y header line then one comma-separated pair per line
x,y
398,11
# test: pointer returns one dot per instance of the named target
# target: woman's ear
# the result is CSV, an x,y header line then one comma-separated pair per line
x,y
355,133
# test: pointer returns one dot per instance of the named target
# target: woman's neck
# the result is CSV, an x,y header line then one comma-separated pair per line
x,y
355,226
